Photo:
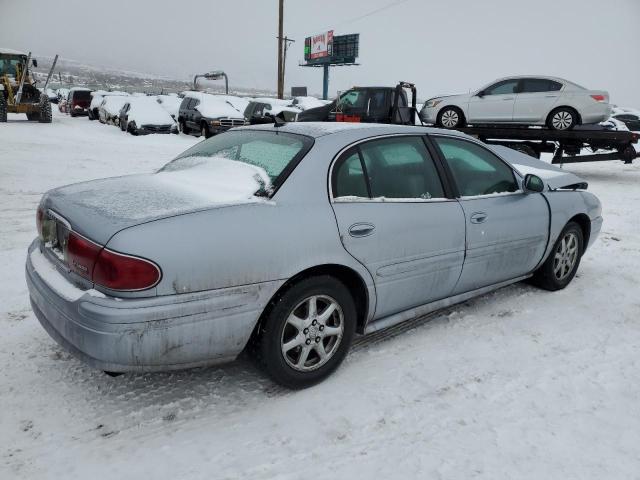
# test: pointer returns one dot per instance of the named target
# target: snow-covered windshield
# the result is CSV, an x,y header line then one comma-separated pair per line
x,y
275,153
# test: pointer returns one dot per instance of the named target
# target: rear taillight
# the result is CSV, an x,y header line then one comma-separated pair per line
x,y
599,98
117,271
80,254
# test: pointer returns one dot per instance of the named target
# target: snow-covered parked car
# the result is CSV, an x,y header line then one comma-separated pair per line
x,y
109,109
96,100
262,110
206,115
544,101
294,237
144,115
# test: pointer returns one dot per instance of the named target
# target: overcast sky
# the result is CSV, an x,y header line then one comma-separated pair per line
x,y
444,46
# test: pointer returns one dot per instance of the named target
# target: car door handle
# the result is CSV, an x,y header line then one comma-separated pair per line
x,y
361,229
478,217
551,96
509,98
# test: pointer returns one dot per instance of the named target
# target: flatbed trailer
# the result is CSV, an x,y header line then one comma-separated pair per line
x,y
565,145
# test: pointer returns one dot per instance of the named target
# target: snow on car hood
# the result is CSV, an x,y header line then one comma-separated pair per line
x,y
100,208
147,111
553,176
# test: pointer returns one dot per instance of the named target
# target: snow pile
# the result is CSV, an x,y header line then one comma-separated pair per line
x,y
216,179
147,111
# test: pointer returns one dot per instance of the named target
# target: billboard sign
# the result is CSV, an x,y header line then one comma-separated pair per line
x,y
321,45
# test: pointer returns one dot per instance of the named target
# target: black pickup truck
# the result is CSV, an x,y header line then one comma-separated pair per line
x,y
368,105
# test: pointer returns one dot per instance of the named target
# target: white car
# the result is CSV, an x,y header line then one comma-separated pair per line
x,y
144,115
559,104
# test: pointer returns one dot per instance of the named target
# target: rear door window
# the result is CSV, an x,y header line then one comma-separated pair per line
x,y
535,85
348,176
476,170
401,168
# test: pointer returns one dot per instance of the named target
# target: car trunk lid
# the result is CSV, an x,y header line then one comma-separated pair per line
x,y
100,208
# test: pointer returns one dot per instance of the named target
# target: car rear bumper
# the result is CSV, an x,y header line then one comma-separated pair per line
x,y
150,334
596,113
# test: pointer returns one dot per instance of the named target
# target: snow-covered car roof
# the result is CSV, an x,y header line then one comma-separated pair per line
x,y
113,104
214,106
147,111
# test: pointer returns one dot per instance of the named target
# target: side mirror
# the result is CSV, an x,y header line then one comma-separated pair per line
x,y
532,183
480,94
35,63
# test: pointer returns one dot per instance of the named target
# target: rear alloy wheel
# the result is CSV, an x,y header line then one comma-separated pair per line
x,y
562,119
450,117
561,266
307,332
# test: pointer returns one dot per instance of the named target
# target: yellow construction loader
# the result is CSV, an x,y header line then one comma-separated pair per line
x,y
18,91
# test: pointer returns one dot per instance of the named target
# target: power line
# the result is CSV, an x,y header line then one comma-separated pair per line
x,y
365,15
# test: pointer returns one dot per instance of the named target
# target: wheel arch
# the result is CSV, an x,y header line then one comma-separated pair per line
x,y
567,106
348,276
582,219
461,111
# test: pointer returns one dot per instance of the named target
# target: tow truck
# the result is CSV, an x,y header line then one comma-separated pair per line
x,y
565,145
391,105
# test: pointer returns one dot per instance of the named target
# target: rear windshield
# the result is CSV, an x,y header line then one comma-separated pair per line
x,y
81,95
276,153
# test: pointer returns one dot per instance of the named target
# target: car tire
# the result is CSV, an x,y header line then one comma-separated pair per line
x,y
44,110
559,269
450,117
182,127
291,337
563,118
204,130
3,108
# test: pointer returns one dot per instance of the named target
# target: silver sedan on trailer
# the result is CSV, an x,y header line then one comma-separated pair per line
x,y
545,101
290,239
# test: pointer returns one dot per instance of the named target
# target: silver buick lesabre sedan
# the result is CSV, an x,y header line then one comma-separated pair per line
x,y
290,239
546,101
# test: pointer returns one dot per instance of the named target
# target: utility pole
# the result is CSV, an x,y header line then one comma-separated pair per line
x,y
280,49
287,41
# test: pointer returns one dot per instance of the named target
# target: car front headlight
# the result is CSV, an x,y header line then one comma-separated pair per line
x,y
215,123
432,103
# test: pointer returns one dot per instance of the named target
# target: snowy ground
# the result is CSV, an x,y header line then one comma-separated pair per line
x,y
518,384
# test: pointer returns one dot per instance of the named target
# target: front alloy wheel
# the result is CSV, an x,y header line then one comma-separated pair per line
x,y
565,256
562,263
312,333
450,118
